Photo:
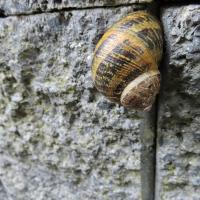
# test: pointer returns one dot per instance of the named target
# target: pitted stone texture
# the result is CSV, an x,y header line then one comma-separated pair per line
x,y
13,7
59,138
178,150
3,193
179,2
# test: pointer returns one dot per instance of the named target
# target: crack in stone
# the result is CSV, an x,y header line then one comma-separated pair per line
x,y
2,13
148,154
69,9
178,3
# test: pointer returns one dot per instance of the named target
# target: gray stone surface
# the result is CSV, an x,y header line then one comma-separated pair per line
x,y
59,138
3,193
62,140
178,147
13,7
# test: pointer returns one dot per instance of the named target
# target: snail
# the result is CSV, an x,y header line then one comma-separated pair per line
x,y
126,59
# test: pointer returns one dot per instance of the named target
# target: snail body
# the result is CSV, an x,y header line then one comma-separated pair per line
x,y
125,63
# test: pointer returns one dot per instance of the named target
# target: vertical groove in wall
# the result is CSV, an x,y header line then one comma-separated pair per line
x,y
163,71
148,140
148,152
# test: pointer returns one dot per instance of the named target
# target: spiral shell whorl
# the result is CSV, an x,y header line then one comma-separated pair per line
x,y
141,92
130,48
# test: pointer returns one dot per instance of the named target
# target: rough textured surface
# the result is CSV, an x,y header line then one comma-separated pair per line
x,y
3,193
10,7
178,152
179,2
59,138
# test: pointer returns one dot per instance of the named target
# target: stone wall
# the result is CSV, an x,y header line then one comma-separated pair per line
x,y
61,140
178,141
13,7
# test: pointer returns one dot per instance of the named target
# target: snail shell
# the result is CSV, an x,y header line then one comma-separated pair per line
x,y
125,63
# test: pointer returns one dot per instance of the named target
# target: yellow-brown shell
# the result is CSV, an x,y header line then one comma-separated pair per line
x,y
131,47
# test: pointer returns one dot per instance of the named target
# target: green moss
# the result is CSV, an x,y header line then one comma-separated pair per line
x,y
80,130
171,167
53,167
71,90
110,2
29,54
